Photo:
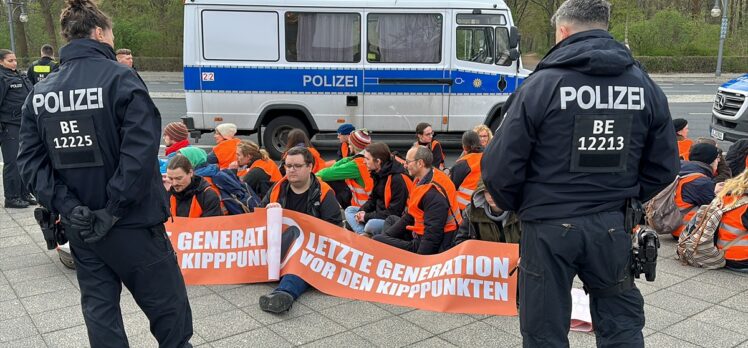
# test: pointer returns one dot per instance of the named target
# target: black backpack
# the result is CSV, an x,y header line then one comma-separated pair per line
x,y
237,197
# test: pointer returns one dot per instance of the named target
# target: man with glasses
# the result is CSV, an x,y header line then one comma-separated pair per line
x,y
302,192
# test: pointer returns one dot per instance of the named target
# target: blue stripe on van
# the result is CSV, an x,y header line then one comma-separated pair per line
x,y
342,81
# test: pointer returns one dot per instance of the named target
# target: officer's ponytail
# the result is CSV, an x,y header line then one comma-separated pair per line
x,y
80,17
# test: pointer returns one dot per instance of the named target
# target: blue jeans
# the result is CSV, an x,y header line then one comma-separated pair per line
x,y
373,226
293,285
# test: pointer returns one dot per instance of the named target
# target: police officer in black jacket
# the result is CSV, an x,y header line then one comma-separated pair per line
x,y
584,133
89,142
14,88
41,68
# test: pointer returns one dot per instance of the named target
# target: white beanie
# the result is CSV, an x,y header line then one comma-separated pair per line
x,y
226,129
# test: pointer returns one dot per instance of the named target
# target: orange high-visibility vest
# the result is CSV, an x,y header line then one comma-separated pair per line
x,y
196,210
388,188
687,209
217,191
445,186
468,186
360,194
345,150
732,228
319,163
269,167
444,156
225,152
684,148
275,191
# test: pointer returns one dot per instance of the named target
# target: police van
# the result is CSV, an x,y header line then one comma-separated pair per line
x,y
386,65
730,110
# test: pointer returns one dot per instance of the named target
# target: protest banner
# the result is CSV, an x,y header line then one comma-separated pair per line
x,y
474,277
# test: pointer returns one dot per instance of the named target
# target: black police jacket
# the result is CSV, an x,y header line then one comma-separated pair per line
x,y
41,68
584,132
90,136
14,88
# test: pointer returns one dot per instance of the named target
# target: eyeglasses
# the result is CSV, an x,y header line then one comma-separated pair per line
x,y
295,166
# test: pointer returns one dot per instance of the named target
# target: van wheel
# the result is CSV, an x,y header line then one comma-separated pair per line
x,y
276,133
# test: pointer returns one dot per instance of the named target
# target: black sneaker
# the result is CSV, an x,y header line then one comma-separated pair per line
x,y
16,203
29,198
276,302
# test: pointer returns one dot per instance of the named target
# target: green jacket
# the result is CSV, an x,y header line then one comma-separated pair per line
x,y
476,224
343,169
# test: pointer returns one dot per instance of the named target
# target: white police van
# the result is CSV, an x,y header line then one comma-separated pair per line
x,y
730,110
385,65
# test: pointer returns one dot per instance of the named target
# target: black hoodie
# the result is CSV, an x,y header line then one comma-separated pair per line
x,y
90,136
374,207
589,82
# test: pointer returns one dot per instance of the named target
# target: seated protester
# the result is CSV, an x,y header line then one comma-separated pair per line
x,y
723,170
695,185
190,195
737,156
175,138
482,219
297,137
465,174
302,192
389,193
429,223
344,132
352,172
425,137
199,160
681,132
734,224
255,167
484,133
225,150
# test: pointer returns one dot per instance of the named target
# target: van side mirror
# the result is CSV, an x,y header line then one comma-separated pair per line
x,y
514,54
513,37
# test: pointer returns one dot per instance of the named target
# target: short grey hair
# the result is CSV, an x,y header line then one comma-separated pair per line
x,y
584,13
424,153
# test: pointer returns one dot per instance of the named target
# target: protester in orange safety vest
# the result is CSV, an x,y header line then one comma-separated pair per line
x,y
297,137
254,166
465,174
681,132
732,236
344,133
351,174
695,185
389,195
190,195
425,136
225,151
432,216
302,192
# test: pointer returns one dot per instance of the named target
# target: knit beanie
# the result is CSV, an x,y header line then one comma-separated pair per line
x,y
704,153
346,129
196,155
360,139
226,129
177,131
679,124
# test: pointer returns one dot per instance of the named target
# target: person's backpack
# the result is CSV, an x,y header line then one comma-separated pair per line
x,y
696,245
236,196
661,212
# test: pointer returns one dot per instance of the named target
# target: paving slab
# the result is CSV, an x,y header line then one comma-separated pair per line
x,y
480,334
354,314
306,328
262,337
392,332
346,339
225,324
705,334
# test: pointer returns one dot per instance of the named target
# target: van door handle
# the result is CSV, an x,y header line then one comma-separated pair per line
x,y
351,100
415,81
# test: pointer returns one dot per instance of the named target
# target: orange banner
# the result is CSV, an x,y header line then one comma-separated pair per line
x,y
473,277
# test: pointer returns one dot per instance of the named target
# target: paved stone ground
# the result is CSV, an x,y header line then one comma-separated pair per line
x,y
40,307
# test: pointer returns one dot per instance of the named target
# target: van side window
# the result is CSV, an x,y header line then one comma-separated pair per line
x,y
323,37
475,44
502,47
220,41
404,38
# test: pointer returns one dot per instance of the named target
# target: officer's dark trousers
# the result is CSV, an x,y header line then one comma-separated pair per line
x,y
11,178
142,259
595,247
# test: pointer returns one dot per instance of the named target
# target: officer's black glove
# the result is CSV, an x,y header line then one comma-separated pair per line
x,y
102,223
81,218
